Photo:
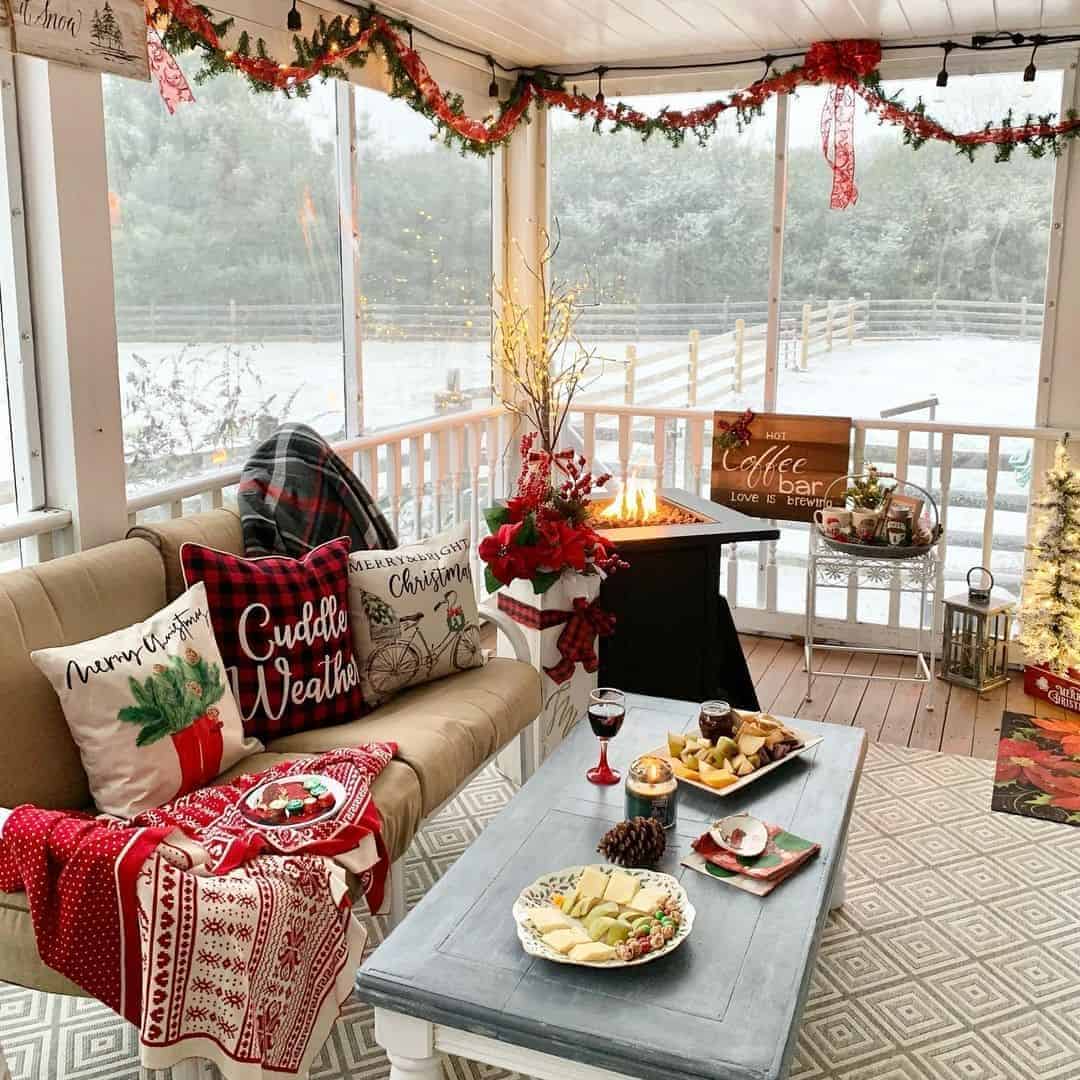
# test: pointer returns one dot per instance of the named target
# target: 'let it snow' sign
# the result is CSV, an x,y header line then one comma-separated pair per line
x,y
785,469
105,35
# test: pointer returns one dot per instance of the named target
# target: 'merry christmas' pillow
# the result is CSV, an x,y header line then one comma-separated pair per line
x,y
283,628
149,707
413,613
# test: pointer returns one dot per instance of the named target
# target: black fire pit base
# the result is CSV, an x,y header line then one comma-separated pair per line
x,y
674,634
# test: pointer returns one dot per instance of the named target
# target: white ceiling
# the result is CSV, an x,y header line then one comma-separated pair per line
x,y
569,32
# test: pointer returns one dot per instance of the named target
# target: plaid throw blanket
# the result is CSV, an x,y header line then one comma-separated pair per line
x,y
296,493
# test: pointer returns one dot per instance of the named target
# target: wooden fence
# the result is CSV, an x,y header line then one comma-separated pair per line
x,y
638,323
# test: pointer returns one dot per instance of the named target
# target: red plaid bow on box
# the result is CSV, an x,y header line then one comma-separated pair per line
x,y
576,643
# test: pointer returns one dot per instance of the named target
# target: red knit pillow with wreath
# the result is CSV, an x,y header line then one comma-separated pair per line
x,y
282,625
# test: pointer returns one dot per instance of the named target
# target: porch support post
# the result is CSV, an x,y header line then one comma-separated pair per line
x,y
349,231
1059,374
66,191
522,220
776,251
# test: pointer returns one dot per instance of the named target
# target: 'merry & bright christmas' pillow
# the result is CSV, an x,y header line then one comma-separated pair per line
x,y
283,628
149,707
414,614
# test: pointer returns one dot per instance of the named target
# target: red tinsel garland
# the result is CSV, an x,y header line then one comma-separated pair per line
x,y
849,66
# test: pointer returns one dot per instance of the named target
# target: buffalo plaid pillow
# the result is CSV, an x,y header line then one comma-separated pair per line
x,y
282,625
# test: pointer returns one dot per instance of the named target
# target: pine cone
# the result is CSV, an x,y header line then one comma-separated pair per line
x,y
637,842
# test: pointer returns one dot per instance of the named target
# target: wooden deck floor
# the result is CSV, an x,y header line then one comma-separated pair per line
x,y
962,722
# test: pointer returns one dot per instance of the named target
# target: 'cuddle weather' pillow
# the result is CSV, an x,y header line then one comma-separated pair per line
x,y
413,613
283,628
149,707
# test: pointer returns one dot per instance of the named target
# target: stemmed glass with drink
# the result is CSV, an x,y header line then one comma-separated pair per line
x,y
607,708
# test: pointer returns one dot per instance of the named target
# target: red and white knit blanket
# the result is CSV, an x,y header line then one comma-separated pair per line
x,y
217,939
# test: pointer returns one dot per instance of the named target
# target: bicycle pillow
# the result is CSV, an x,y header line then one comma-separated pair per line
x,y
149,707
283,628
413,613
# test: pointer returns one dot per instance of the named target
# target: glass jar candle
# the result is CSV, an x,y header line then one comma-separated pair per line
x,y
652,790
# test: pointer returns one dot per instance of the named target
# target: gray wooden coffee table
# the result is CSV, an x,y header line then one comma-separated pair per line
x,y
452,978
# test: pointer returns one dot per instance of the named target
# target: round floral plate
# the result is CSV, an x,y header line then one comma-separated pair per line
x,y
324,792
540,892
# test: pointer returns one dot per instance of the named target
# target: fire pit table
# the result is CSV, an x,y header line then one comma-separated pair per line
x,y
674,636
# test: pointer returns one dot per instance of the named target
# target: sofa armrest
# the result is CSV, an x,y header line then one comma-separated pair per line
x,y
510,628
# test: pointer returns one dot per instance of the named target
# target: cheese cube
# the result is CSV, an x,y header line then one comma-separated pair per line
x,y
596,952
592,882
546,919
648,900
621,888
564,940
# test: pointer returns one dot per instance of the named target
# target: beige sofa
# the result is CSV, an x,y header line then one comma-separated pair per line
x,y
445,730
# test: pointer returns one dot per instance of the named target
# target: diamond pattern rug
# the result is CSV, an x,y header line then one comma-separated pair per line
x,y
956,955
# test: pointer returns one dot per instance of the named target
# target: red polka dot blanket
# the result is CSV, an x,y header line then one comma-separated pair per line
x,y
217,938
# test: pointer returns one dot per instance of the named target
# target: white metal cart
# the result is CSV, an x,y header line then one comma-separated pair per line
x,y
912,570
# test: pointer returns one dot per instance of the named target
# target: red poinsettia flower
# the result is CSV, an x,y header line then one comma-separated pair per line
x,y
1064,790
506,558
1017,757
519,506
1065,731
564,545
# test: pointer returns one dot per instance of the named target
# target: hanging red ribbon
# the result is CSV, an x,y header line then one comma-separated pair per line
x,y
172,83
842,64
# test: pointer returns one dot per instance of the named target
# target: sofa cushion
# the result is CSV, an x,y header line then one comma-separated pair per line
x,y
58,603
218,529
19,960
445,730
396,792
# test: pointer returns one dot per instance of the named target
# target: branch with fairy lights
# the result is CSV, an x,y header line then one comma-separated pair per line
x,y
850,68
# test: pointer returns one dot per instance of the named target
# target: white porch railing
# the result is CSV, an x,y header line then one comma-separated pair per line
x,y
442,471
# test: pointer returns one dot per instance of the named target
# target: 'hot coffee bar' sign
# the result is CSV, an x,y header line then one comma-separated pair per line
x,y
785,468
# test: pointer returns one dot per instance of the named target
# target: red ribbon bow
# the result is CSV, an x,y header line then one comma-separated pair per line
x,y
843,64
576,643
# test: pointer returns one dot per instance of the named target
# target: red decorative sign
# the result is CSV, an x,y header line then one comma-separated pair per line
x,y
1060,690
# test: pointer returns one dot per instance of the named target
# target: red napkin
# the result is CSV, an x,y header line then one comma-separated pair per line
x,y
783,855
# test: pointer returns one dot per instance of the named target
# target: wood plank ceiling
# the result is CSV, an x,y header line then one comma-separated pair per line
x,y
570,32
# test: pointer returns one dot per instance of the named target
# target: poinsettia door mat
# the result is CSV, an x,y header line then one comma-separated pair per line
x,y
1038,768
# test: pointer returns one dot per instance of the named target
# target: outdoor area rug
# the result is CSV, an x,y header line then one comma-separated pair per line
x,y
1037,776
955,956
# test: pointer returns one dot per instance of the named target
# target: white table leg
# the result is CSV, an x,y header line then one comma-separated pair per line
x,y
409,1043
398,904
839,890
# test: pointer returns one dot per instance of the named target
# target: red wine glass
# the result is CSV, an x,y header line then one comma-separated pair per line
x,y
607,708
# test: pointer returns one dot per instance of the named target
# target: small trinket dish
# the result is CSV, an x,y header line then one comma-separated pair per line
x,y
741,834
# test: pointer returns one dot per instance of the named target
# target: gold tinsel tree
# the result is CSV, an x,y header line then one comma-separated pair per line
x,y
1051,609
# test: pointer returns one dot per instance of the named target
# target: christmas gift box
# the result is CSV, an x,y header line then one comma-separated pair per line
x,y
1063,690
568,612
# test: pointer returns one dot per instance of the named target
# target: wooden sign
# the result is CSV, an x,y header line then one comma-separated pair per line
x,y
787,467
105,35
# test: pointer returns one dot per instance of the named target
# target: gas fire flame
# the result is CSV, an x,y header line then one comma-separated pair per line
x,y
635,501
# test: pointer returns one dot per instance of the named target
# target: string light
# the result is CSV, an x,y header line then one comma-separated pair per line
x,y
943,74
293,20
1029,71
